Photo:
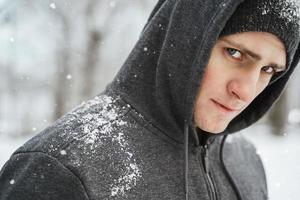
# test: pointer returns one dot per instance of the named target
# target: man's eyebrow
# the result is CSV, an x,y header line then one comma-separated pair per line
x,y
251,53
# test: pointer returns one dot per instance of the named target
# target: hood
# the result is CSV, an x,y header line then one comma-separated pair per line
x,y
163,72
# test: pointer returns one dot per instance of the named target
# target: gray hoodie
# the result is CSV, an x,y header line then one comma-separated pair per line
x,y
136,140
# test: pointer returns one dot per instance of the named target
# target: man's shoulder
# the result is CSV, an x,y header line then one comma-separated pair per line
x,y
245,164
82,128
239,147
239,140
94,142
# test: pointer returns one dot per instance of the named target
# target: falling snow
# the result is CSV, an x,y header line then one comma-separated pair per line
x,y
294,116
69,77
52,5
12,181
63,152
258,152
264,12
128,179
112,4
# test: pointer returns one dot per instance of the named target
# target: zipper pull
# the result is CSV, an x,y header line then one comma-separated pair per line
x,y
206,160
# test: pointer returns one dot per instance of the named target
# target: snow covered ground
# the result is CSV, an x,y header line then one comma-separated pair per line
x,y
280,155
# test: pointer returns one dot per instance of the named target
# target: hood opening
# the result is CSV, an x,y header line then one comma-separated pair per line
x,y
163,72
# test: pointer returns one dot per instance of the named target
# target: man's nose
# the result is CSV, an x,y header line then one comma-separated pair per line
x,y
244,85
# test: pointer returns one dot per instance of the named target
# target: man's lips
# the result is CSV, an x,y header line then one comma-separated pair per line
x,y
224,107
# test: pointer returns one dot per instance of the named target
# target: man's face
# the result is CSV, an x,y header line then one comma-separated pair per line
x,y
240,68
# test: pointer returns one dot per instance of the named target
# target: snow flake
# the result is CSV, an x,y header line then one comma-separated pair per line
x,y
120,139
33,128
69,77
145,49
264,12
52,5
284,134
130,154
91,137
294,116
286,151
112,4
161,26
126,181
63,152
12,181
12,39
258,152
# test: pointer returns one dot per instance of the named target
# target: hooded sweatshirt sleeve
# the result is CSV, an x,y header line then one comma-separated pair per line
x,y
36,175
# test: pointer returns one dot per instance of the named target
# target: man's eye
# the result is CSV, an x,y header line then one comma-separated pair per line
x,y
269,69
234,53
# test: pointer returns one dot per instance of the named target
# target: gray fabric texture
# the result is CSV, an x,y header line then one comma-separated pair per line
x,y
105,149
128,142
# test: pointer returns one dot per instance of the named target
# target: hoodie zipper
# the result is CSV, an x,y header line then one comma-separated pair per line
x,y
208,178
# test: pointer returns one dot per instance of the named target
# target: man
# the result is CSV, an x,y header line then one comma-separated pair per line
x,y
200,71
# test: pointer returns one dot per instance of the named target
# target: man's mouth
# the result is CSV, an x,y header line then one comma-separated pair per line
x,y
224,107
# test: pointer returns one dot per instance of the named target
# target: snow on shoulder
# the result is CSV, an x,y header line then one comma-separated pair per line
x,y
103,129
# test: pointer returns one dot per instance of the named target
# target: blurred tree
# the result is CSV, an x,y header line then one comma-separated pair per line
x,y
94,38
63,68
56,53
279,114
